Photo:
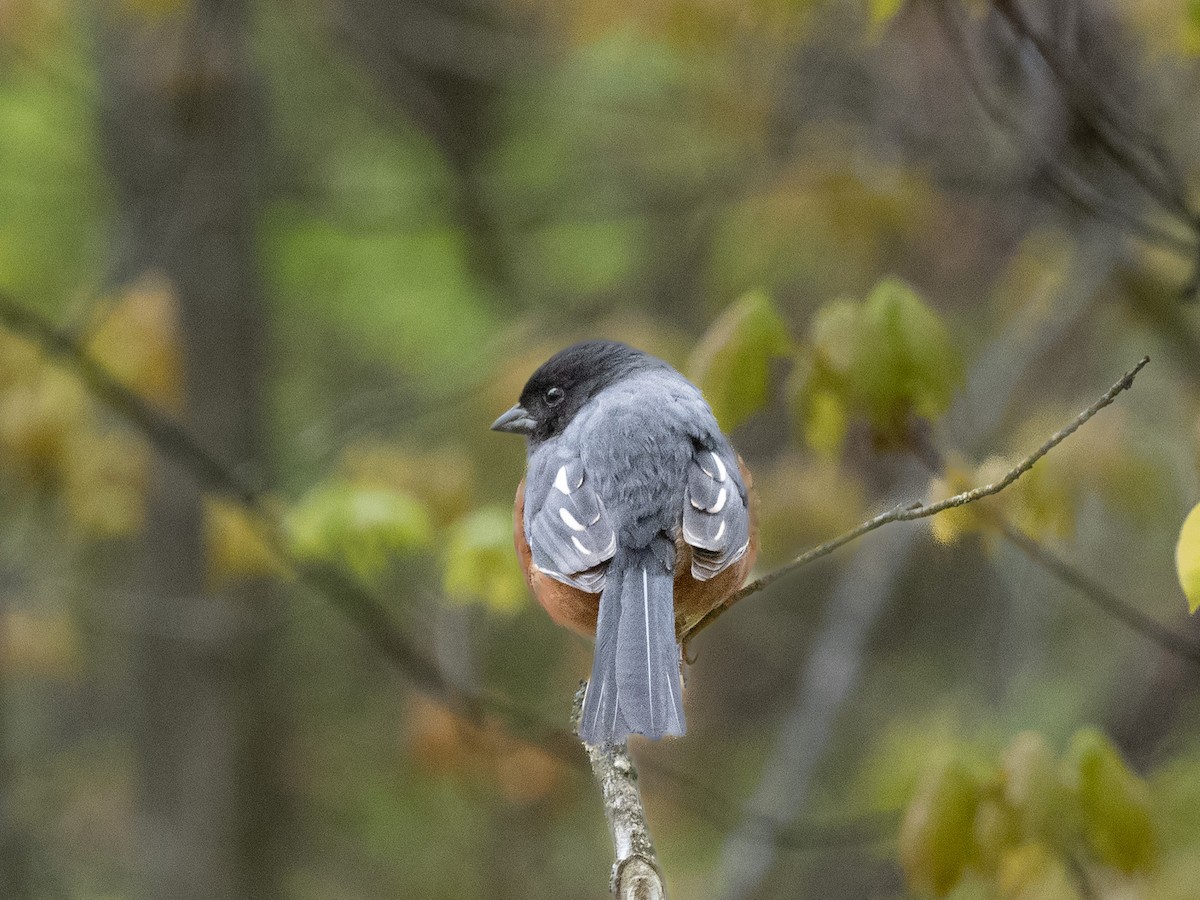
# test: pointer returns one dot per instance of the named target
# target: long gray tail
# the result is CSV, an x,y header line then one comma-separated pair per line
x,y
635,685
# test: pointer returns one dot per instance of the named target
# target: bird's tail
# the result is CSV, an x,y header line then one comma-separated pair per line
x,y
635,685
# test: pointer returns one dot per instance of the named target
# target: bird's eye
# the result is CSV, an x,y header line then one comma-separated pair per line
x,y
554,396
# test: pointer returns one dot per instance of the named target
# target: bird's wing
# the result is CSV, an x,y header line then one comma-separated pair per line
x,y
569,533
716,521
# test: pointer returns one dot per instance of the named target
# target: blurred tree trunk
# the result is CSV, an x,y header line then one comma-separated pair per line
x,y
181,126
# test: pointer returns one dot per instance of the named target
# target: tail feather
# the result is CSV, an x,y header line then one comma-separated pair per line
x,y
601,719
635,686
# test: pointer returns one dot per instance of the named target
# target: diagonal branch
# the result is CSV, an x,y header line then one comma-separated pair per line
x,y
1101,597
367,612
918,509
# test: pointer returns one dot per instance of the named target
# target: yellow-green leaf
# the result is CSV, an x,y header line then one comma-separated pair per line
x,y
920,365
1187,558
480,562
1191,28
1045,809
1114,804
937,835
732,363
884,359
825,423
881,12
361,527
236,544
1034,872
840,337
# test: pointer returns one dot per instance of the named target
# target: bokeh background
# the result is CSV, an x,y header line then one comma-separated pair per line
x,y
261,630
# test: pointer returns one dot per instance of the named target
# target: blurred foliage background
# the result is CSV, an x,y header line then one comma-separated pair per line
x,y
897,243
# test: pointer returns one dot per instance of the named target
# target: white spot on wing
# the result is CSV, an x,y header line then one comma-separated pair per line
x,y
560,480
571,521
720,504
721,473
579,546
720,531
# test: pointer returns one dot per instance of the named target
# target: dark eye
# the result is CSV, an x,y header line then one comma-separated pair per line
x,y
554,396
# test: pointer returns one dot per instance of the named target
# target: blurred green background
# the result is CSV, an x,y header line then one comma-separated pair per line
x,y
897,243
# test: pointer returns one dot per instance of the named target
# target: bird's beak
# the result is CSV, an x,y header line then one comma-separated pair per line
x,y
516,421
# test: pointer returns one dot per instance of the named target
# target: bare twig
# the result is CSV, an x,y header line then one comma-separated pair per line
x,y
635,874
1070,183
1102,598
918,510
1116,131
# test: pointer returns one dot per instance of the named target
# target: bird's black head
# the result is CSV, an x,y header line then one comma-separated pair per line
x,y
565,382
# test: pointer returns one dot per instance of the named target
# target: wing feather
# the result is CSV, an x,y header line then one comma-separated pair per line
x,y
716,522
569,533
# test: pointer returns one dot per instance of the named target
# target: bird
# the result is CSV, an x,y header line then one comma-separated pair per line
x,y
635,513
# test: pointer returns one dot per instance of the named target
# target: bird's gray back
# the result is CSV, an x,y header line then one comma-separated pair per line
x,y
636,440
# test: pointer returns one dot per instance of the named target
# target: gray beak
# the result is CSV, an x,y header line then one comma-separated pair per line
x,y
515,421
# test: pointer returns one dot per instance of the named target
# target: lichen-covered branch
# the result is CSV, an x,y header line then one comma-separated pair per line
x,y
635,874
918,509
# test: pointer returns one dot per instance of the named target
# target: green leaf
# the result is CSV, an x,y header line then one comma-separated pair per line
x,y
937,835
1114,804
884,359
1045,810
480,562
881,12
840,337
1187,558
363,528
920,366
732,363
1034,872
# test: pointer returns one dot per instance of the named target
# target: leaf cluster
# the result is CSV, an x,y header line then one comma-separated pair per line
x,y
1028,825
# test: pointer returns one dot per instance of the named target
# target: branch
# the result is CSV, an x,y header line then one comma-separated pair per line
x,y
1101,597
1117,133
1070,183
917,509
635,874
368,613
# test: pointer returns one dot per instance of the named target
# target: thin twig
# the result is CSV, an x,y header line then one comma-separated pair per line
x,y
1102,598
635,874
1116,132
918,510
1067,181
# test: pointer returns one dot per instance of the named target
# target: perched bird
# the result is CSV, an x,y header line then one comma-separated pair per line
x,y
631,493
